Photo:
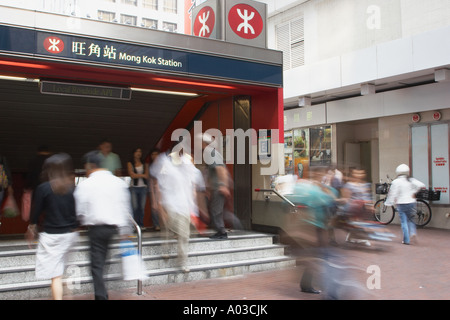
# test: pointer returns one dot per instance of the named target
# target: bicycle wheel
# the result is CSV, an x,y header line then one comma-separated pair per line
x,y
422,216
383,213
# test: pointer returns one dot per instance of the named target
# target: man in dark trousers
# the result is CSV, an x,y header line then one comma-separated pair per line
x,y
103,204
218,185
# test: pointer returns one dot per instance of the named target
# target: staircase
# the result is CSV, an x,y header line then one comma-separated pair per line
x,y
243,252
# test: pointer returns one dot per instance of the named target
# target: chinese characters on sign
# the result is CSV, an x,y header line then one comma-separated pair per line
x,y
118,53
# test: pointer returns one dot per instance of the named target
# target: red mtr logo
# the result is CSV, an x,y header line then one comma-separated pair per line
x,y
245,21
54,45
204,22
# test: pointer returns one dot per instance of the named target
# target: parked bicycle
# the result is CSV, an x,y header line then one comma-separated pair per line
x,y
385,214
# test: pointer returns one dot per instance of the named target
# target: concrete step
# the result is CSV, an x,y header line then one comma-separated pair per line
x,y
242,252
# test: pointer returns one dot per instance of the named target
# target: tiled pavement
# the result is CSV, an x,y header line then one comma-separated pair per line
x,y
414,272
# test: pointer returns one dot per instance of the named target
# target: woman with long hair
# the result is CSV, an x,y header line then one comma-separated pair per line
x,y
54,204
138,173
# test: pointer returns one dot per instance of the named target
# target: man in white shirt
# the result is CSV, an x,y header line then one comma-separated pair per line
x,y
402,193
177,180
103,205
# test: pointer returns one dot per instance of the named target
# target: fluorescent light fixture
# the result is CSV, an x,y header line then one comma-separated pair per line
x,y
177,93
18,79
24,65
195,83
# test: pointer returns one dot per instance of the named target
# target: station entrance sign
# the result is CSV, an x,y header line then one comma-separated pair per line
x,y
237,21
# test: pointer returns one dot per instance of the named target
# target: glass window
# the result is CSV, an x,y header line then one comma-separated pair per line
x,y
132,2
126,19
150,23
106,16
439,160
288,155
430,156
170,6
151,4
419,137
168,26
320,146
301,152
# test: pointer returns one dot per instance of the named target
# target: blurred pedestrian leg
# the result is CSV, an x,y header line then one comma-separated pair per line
x,y
100,237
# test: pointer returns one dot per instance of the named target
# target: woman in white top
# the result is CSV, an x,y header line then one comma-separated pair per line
x,y
138,173
402,194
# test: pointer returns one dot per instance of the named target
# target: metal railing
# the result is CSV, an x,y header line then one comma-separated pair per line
x,y
279,195
139,239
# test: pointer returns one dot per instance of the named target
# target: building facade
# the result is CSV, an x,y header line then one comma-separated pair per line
x,y
165,15
370,81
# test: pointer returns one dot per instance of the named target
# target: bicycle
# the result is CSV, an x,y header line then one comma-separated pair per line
x,y
423,213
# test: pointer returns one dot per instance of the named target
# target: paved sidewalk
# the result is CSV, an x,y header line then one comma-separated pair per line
x,y
414,272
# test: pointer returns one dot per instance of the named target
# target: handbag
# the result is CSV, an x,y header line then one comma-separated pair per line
x,y
132,264
10,208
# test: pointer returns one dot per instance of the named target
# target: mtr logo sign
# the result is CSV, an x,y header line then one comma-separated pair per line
x,y
245,21
53,45
238,21
205,22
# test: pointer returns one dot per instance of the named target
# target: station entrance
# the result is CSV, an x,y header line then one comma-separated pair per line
x,y
70,104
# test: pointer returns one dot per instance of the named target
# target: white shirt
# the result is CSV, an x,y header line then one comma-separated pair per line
x,y
403,191
103,199
177,179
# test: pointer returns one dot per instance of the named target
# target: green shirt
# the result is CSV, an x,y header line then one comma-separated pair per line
x,y
111,162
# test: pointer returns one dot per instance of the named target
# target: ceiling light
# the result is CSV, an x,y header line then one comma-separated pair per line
x,y
25,65
18,79
203,84
187,94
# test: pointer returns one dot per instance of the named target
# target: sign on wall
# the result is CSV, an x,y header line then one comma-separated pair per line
x,y
206,20
66,47
244,21
430,158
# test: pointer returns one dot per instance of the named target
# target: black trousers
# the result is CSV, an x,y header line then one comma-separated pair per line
x,y
216,210
100,238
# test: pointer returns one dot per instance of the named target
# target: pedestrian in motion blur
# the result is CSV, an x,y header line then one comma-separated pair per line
x,y
5,179
154,194
110,160
103,204
218,186
176,176
53,200
402,194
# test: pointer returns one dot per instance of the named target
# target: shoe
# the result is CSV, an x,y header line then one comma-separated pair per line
x,y
219,235
185,269
310,290
414,239
403,242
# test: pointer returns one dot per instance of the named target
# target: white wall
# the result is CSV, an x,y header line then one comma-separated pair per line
x,y
349,42
89,8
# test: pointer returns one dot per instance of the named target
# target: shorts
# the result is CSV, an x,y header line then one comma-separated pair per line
x,y
52,254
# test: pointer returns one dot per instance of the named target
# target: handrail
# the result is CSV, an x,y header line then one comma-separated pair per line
x,y
278,194
139,237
